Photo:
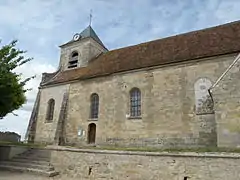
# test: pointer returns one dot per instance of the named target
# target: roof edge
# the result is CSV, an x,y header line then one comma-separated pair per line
x,y
176,35
72,42
137,70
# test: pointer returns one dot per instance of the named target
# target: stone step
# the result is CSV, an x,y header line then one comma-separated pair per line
x,y
35,154
42,153
29,170
30,161
33,158
27,165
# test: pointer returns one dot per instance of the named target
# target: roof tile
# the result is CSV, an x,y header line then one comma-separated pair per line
x,y
209,42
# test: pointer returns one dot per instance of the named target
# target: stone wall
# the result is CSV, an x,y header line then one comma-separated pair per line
x,y
118,165
45,131
226,96
169,115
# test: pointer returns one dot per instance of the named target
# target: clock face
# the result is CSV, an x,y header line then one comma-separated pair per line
x,y
76,37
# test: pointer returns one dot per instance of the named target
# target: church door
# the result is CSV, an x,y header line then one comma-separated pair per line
x,y
91,133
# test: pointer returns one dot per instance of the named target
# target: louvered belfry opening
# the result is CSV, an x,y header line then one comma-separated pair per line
x,y
73,62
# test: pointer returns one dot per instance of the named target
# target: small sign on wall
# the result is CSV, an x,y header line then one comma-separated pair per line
x,y
81,132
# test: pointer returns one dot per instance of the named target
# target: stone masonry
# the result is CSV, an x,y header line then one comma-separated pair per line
x,y
227,107
168,107
118,165
46,131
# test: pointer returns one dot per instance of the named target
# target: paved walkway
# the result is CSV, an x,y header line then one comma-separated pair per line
x,y
7,175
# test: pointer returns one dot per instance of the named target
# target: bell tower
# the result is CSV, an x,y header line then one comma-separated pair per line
x,y
79,51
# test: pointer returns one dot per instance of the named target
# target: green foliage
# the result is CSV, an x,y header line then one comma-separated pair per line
x,y
12,90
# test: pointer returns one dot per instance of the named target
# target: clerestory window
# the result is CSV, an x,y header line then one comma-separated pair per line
x,y
135,102
94,106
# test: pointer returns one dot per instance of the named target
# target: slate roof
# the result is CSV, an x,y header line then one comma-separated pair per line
x,y
88,32
219,40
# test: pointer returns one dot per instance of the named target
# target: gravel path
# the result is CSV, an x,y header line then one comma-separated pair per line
x,y
7,175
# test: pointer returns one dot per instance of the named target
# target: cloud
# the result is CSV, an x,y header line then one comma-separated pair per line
x,y
14,123
41,26
19,123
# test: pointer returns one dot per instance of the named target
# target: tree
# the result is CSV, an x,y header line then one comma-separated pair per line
x,y
12,92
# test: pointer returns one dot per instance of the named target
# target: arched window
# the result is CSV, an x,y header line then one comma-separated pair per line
x,y
135,102
94,106
203,101
73,62
50,110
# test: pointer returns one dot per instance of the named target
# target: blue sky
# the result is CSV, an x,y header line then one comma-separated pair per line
x,y
42,25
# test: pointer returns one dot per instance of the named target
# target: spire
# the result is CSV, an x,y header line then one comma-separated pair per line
x,y
89,32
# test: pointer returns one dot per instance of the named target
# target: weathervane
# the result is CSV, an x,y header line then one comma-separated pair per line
x,y
90,19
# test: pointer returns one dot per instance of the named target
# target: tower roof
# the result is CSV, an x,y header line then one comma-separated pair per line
x,y
88,32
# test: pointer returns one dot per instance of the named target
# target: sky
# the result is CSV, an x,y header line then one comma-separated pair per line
x,y
40,26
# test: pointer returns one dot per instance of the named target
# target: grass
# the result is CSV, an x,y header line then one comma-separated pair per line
x,y
6,143
139,149
176,150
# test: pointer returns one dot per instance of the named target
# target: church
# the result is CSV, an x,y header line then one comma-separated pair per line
x,y
178,91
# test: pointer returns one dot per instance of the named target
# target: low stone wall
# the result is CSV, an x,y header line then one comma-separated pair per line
x,y
125,165
8,151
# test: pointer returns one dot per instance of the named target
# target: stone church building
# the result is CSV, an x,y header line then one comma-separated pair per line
x,y
179,91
